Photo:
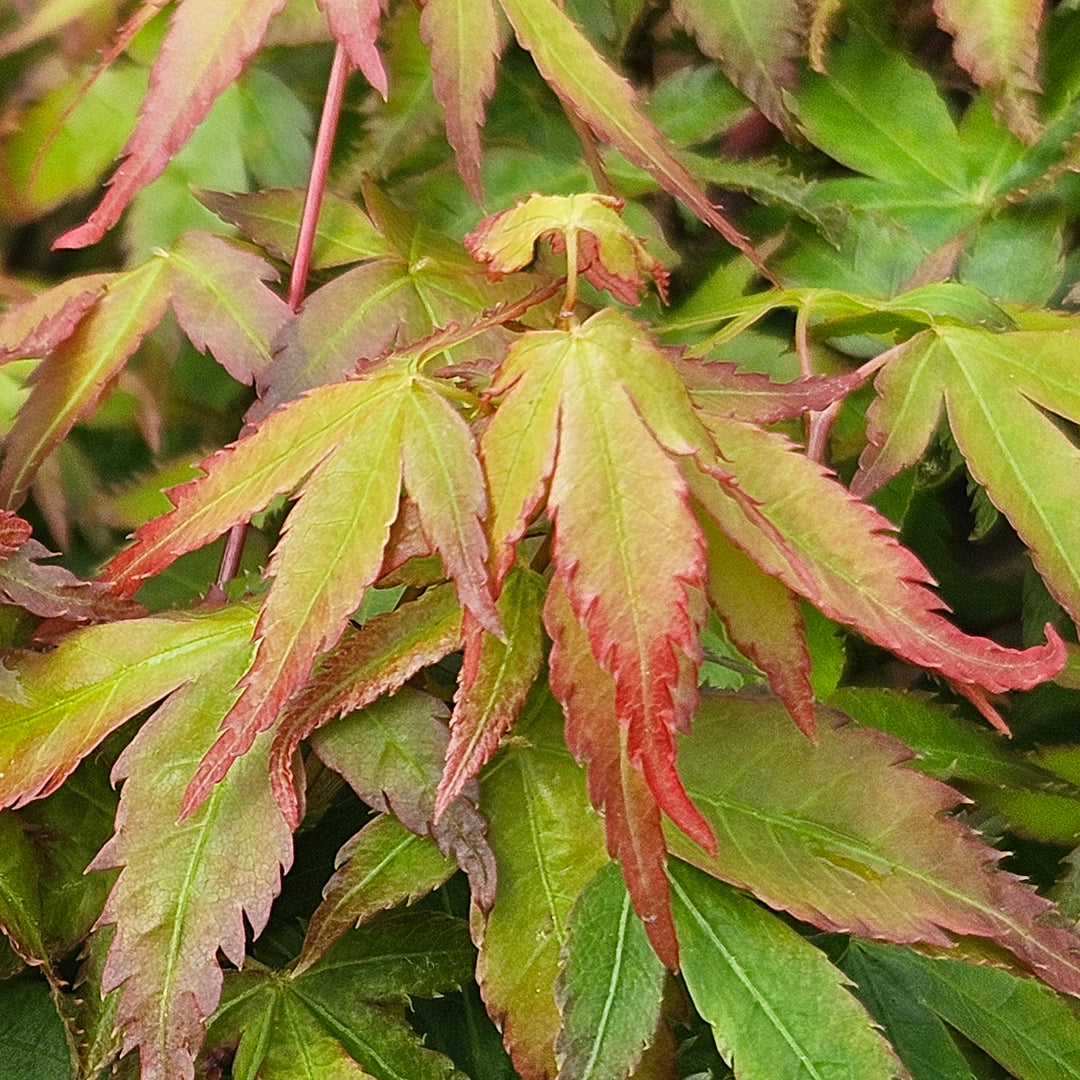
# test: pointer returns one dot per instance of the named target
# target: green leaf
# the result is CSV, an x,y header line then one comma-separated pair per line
x,y
337,1018
800,832
271,219
68,384
948,746
57,706
184,889
925,1045
610,988
997,391
1030,1030
905,133
32,1041
548,844
777,1007
20,901
382,866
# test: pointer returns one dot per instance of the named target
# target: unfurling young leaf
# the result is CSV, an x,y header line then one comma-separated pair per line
x,y
608,253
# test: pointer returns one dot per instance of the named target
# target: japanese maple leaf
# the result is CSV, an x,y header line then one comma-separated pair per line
x,y
350,447
999,393
591,416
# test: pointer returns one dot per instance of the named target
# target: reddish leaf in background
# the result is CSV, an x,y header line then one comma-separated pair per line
x,y
14,532
463,39
632,822
355,23
202,54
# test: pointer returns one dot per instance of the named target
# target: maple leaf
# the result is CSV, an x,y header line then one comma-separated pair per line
x,y
464,41
36,326
996,390
594,413
607,252
186,888
803,837
351,445
205,48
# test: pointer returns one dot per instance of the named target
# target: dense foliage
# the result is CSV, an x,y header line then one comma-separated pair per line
x,y
623,622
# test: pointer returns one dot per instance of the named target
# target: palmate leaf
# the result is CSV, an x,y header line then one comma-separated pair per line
x,y
779,1010
186,888
797,829
351,445
597,408
55,707
464,41
608,253
206,46
548,845
339,1018
998,392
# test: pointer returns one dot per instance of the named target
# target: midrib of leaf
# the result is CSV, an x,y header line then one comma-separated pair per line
x,y
399,749
857,106
110,687
528,787
740,973
812,830
613,981
973,398
301,1044
165,998
408,841
59,419
226,301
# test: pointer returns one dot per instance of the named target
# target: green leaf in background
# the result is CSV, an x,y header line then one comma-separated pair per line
x,y
779,1010
338,1018
1019,1022
20,902
32,1041
611,984
548,844
382,866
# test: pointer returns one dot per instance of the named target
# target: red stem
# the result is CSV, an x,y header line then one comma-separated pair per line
x,y
305,243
